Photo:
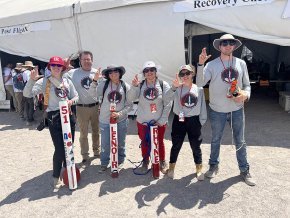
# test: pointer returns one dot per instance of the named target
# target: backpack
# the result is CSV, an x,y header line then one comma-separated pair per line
x,y
18,81
107,84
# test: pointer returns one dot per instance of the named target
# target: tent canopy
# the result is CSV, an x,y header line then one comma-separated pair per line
x,y
127,32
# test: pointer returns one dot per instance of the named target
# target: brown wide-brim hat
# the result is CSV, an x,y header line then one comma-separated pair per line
x,y
19,66
121,69
217,42
28,64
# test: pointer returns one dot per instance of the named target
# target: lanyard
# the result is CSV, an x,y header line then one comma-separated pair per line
x,y
230,66
180,97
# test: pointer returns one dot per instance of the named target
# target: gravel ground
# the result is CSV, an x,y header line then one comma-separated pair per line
x,y
26,160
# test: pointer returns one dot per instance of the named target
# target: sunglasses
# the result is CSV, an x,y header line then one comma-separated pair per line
x,y
182,74
56,65
113,71
228,42
152,69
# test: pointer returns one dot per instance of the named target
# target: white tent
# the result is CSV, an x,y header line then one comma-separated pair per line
x,y
127,32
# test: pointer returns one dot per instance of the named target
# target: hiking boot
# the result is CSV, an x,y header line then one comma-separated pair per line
x,y
170,171
103,168
199,174
163,166
213,171
248,178
56,183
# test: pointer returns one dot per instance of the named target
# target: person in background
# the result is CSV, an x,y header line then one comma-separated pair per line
x,y
8,84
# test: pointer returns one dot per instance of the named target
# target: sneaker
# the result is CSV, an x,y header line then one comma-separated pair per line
x,y
163,166
213,171
120,166
103,169
248,178
56,183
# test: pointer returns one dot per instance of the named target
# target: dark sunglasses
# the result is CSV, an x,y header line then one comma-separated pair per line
x,y
152,69
56,65
182,74
113,71
228,42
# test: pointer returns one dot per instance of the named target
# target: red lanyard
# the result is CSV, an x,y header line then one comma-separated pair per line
x,y
180,97
230,65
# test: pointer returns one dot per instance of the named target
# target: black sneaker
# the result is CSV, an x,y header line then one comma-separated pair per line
x,y
248,178
213,171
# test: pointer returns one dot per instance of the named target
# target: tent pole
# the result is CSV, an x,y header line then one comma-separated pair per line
x,y
189,49
75,16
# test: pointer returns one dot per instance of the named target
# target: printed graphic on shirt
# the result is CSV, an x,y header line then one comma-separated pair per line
x,y
86,82
151,93
114,97
229,75
189,100
61,92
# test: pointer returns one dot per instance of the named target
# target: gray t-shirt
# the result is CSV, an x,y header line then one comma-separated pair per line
x,y
191,102
152,95
113,94
55,94
82,80
221,74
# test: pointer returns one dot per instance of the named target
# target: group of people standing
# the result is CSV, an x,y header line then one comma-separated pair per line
x,y
15,80
95,92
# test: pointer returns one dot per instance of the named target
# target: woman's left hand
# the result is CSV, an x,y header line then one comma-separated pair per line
x,y
115,115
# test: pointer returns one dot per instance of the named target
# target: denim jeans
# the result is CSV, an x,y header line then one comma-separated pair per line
x,y
218,121
105,142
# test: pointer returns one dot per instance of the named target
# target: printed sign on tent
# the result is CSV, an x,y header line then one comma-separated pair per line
x,y
25,28
198,5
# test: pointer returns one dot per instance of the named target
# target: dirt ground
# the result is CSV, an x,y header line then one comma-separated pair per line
x,y
26,175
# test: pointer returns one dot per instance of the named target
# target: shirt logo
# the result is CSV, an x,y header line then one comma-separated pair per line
x,y
151,93
229,75
86,82
61,92
189,100
114,97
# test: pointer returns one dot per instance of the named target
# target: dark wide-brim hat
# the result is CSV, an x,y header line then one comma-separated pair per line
x,y
112,67
217,42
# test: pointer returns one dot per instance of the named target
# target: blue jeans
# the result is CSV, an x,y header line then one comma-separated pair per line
x,y
218,121
105,142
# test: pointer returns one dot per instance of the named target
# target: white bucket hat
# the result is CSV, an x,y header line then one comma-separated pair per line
x,y
217,42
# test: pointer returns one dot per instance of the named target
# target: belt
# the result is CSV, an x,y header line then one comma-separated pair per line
x,y
88,105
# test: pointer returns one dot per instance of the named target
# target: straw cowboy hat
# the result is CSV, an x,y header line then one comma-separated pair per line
x,y
28,64
217,42
19,66
112,67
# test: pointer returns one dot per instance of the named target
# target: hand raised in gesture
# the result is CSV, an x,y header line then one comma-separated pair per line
x,y
176,82
135,81
203,57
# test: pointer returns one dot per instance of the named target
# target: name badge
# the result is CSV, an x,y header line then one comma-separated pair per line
x,y
181,116
112,107
153,108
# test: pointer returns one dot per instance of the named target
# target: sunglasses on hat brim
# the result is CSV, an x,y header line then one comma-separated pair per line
x,y
151,69
228,42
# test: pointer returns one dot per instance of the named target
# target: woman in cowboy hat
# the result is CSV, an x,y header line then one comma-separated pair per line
x,y
115,104
154,106
54,90
189,115
223,73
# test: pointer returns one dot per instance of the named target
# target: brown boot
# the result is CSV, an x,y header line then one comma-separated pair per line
x,y
170,171
163,166
199,174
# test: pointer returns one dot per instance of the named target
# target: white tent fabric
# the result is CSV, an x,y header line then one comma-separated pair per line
x,y
129,32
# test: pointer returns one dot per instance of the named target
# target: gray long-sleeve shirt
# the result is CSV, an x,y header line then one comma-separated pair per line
x,y
221,74
82,80
55,94
114,93
191,101
147,96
